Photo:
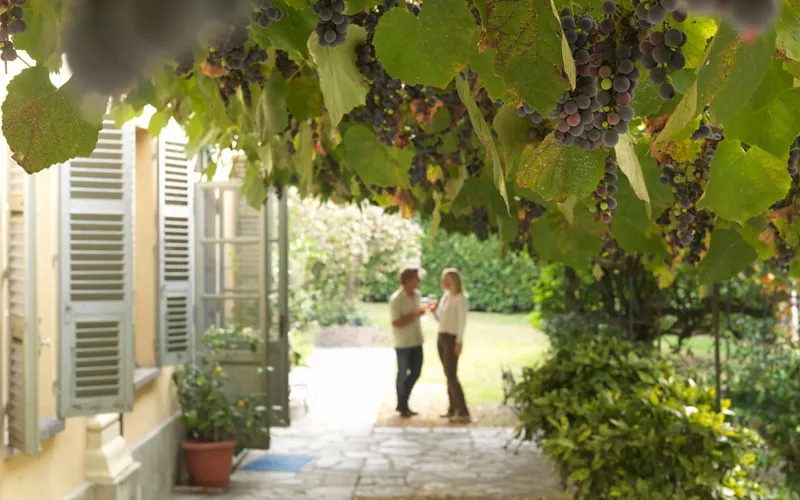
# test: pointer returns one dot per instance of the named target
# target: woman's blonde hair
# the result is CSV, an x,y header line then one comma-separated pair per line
x,y
455,280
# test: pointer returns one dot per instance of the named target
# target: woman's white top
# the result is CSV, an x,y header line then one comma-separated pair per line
x,y
452,315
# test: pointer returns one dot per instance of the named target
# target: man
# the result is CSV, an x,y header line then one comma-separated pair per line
x,y
406,310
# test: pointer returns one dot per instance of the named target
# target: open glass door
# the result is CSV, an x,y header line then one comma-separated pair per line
x,y
242,273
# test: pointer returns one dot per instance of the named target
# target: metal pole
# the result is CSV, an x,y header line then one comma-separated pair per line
x,y
728,333
715,327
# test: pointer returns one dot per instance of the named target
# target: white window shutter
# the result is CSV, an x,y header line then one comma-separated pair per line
x,y
22,405
96,279
175,239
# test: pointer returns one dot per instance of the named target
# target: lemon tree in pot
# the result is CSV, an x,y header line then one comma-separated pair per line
x,y
214,419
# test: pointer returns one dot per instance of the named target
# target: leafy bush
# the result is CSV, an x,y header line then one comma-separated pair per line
x,y
495,283
332,245
209,413
619,424
765,389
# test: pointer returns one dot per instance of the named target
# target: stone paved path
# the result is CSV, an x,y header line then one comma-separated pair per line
x,y
355,460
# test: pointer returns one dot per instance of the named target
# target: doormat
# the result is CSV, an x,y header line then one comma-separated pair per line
x,y
279,463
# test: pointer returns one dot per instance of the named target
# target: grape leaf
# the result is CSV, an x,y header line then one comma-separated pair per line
x,y
42,38
44,125
733,71
484,134
356,6
157,122
529,54
744,185
304,156
556,240
483,64
788,29
291,32
556,171
775,82
631,225
661,195
513,133
272,115
751,233
699,31
727,255
340,80
304,97
430,49
683,116
629,164
374,162
566,53
776,127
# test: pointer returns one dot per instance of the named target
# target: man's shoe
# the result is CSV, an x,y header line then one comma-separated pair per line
x,y
407,413
446,415
460,419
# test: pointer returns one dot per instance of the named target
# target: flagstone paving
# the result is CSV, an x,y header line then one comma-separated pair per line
x,y
353,459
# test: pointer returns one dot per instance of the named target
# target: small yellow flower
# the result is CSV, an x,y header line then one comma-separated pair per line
x,y
241,403
219,370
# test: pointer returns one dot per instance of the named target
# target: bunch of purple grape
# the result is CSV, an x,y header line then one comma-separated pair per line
x,y
264,14
605,53
794,158
526,110
11,23
332,22
605,204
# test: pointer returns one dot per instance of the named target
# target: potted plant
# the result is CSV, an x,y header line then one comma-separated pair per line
x,y
214,420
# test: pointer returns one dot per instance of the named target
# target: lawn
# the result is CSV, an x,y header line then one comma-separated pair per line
x,y
490,342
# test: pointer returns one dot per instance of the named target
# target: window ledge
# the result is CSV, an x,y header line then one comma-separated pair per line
x,y
144,376
48,429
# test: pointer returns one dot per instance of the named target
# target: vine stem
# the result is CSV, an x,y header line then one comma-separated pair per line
x,y
26,63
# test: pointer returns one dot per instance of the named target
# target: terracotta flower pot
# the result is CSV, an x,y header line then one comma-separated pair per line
x,y
209,464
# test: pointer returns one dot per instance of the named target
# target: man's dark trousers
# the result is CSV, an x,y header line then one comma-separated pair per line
x,y
409,366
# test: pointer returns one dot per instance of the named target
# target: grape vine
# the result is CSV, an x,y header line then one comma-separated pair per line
x,y
11,23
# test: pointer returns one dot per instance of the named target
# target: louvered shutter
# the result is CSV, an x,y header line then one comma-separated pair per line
x,y
175,239
96,262
22,406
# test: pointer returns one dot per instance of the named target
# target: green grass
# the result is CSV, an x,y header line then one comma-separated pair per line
x,y
490,341
700,345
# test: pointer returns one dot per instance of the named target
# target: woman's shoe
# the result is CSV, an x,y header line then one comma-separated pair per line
x,y
446,415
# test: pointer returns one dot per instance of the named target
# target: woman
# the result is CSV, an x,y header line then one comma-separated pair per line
x,y
452,316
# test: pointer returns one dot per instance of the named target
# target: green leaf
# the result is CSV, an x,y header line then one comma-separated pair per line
x,y
291,33
513,134
699,31
566,52
355,6
556,171
744,185
556,240
529,54
484,134
733,71
483,64
775,82
341,82
751,233
42,38
772,128
727,255
304,155
373,161
682,116
661,195
44,125
788,29
272,116
629,164
304,97
430,49
631,225
157,122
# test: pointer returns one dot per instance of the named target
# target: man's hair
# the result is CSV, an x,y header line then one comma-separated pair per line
x,y
408,273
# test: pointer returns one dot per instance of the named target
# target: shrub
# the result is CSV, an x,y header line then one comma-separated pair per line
x,y
332,245
495,283
765,389
619,424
